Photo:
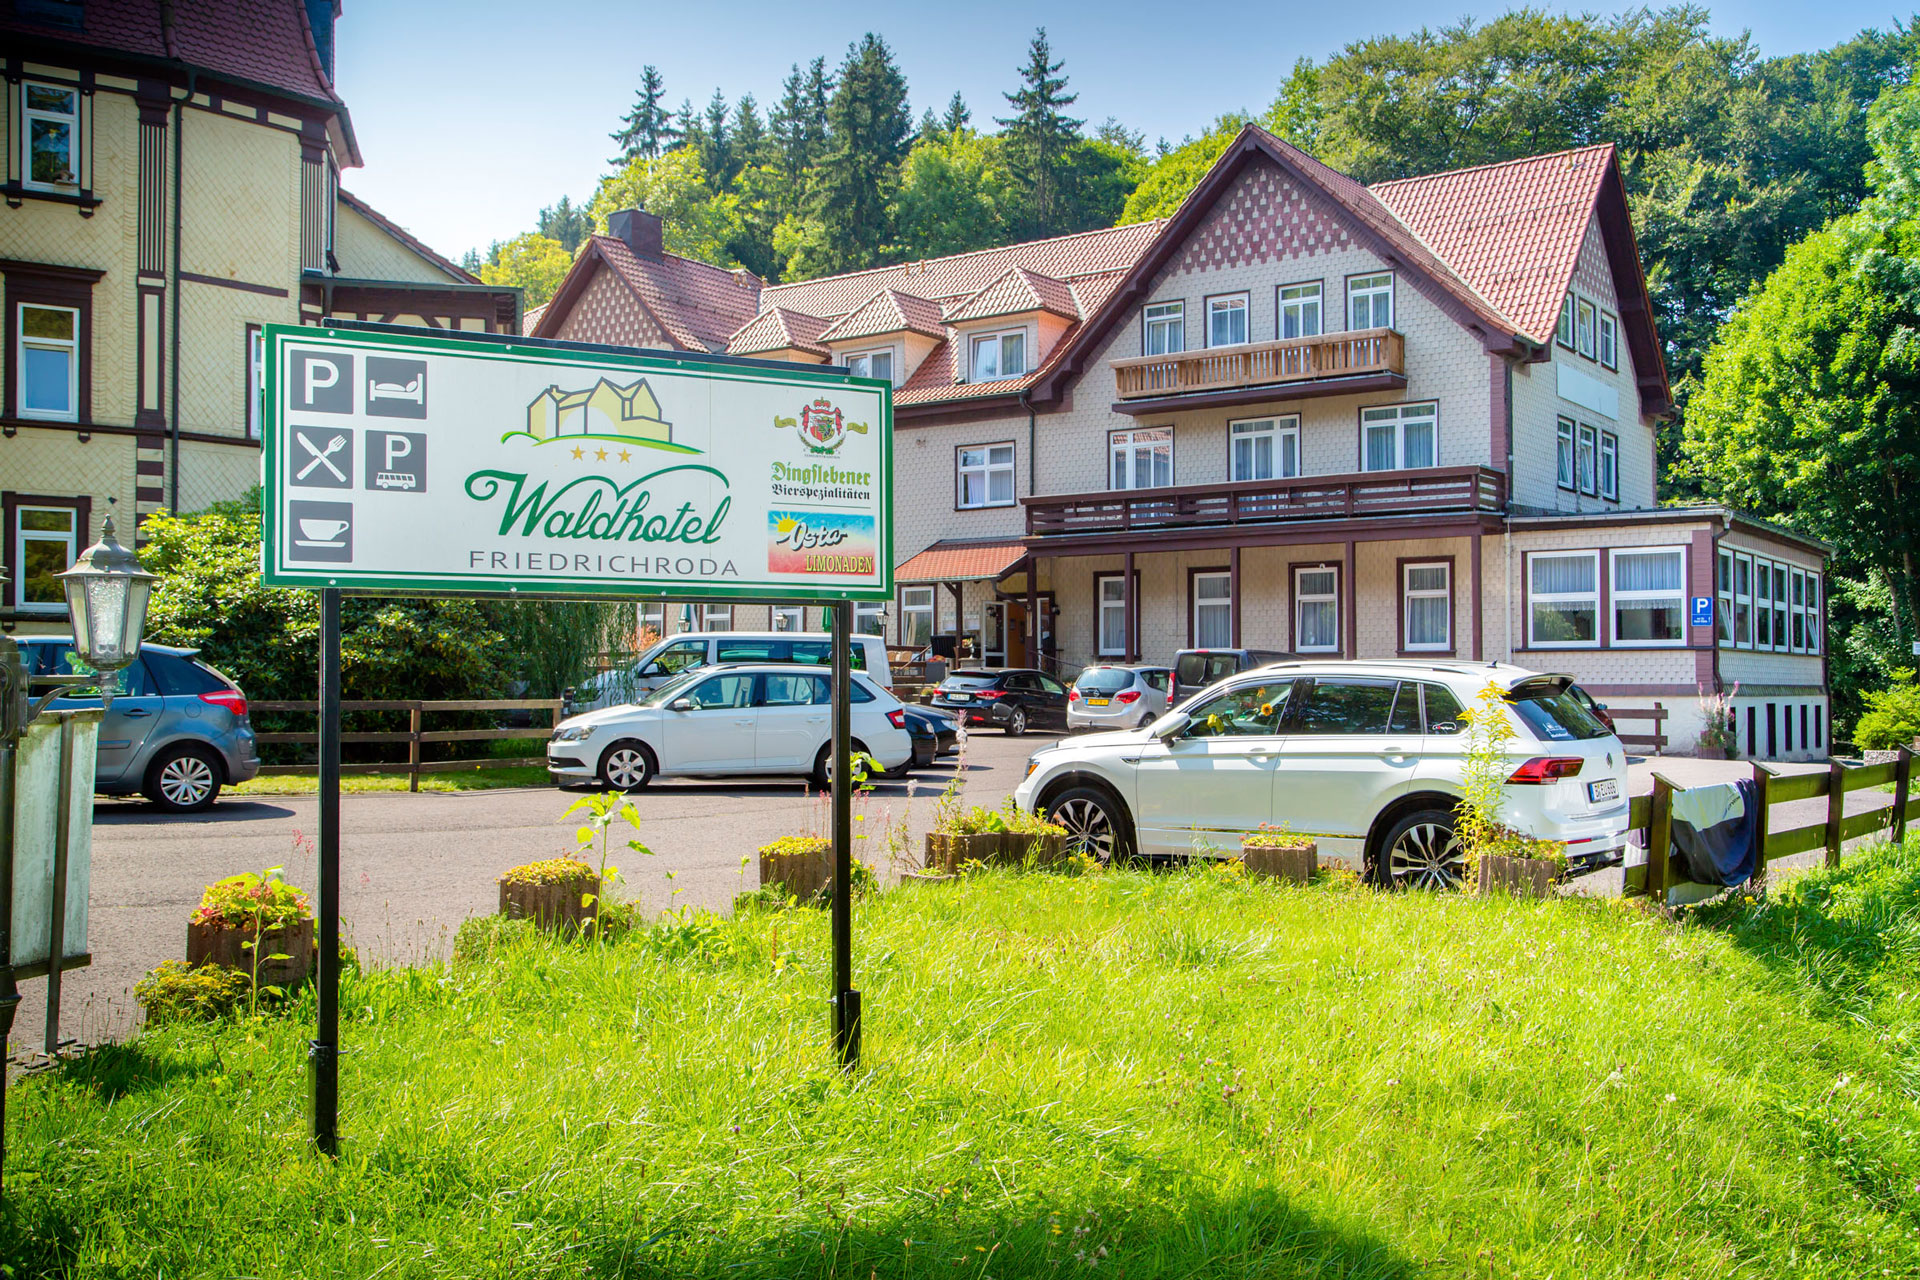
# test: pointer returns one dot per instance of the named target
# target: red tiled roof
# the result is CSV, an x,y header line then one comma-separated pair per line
x,y
961,275
531,320
1015,293
933,380
887,311
1513,230
779,330
263,41
401,234
955,561
699,305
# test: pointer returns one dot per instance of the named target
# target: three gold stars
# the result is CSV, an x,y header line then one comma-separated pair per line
x,y
625,455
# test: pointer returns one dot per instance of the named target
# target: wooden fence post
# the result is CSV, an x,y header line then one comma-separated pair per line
x,y
1659,839
1836,808
1902,787
413,748
1760,825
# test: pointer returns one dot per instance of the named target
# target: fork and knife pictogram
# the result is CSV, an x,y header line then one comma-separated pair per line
x,y
321,457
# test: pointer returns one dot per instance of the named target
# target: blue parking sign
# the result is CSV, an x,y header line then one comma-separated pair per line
x,y
1703,611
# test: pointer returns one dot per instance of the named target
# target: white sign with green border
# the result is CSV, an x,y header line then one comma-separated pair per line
x,y
411,462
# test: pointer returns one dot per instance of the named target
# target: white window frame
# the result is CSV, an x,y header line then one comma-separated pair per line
x,y
1609,341
1282,434
1220,603
869,618
1400,416
1586,460
1617,597
868,358
71,346
1372,286
1742,636
1306,307
1585,322
1763,603
917,602
1782,611
983,470
788,618
1170,320
651,615
1609,464
1536,596
1723,599
1563,331
1129,441
256,379
22,536
1301,598
1816,631
998,339
1565,473
1102,606
1408,595
716,617
1797,618
75,139
1221,304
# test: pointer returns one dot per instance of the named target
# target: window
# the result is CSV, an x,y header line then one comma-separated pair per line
x,y
1650,596
1347,706
1610,466
1251,712
916,616
728,691
1401,436
985,476
1227,320
1316,610
51,117
49,362
682,655
1264,448
1370,302
1586,460
1564,333
256,380
1166,328
1800,616
1212,610
1426,594
869,618
1563,466
1300,310
1563,599
651,620
716,617
1723,599
1142,458
999,355
1816,630
1583,326
1780,606
1110,601
872,364
1609,340
789,617
1762,604
1743,601
46,540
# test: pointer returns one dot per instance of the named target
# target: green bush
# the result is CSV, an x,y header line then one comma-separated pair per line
x,y
1892,717
177,991
252,899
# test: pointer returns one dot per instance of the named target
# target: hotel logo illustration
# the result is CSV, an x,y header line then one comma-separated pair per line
x,y
823,427
603,411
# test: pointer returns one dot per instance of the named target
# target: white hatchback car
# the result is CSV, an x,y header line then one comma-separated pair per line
x,y
1365,757
715,721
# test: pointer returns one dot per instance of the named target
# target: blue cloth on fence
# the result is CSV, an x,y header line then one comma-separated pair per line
x,y
1713,830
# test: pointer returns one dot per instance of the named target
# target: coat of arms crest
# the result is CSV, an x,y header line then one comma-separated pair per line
x,y
822,427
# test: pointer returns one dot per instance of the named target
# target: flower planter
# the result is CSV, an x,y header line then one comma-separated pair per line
x,y
1521,877
803,867
558,905
1293,863
947,853
225,945
1710,753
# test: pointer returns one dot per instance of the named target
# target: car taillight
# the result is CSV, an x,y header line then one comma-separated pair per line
x,y
1129,695
1073,695
897,718
232,699
1543,769
988,695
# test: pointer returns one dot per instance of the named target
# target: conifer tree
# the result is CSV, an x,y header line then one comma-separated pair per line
x,y
870,128
566,223
1040,135
749,141
686,127
957,117
716,144
645,130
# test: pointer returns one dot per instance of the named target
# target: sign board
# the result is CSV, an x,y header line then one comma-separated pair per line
x,y
43,814
404,461
1702,611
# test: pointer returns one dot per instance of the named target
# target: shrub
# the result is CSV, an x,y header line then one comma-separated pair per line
x,y
480,938
177,991
252,899
1892,717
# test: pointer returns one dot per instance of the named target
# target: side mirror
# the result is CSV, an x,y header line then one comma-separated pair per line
x,y
650,670
1171,725
680,704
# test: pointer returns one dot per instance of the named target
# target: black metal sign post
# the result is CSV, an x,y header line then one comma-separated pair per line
x,y
323,1051
846,1001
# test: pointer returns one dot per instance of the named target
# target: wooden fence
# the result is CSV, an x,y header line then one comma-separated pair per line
x,y
1653,743
415,735
1653,815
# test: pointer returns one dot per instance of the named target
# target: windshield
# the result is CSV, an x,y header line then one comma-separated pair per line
x,y
1103,680
672,689
1558,716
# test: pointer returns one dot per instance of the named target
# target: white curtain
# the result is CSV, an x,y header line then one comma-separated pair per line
x,y
1562,575
1648,571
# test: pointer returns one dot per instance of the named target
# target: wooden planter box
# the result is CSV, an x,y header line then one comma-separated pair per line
x,y
225,946
552,906
946,853
1521,877
1710,753
1295,865
805,874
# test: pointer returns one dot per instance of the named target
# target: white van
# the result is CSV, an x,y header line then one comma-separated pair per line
x,y
708,648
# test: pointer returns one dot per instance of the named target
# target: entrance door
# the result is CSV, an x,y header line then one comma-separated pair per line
x,y
993,635
1019,652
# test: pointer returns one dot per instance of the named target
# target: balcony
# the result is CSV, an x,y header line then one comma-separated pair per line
x,y
1420,492
1364,360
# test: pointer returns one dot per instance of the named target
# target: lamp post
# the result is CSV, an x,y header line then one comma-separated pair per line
x,y
107,591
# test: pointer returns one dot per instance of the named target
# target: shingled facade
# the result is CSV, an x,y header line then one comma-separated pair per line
x,y
1415,419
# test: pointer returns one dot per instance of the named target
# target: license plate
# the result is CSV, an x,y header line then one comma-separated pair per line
x,y
959,697
1098,702
1605,789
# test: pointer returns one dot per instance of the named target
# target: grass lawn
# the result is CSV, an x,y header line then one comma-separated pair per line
x,y
1178,1075
482,777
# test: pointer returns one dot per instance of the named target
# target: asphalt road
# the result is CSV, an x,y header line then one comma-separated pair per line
x,y
415,866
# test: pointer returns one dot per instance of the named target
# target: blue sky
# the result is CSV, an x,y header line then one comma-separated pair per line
x,y
472,114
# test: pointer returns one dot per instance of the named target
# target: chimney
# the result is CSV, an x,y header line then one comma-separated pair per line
x,y
639,229
321,15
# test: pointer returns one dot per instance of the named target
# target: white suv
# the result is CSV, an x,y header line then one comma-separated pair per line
x,y
1365,757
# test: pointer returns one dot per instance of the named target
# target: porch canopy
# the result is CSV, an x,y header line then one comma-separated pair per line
x,y
954,562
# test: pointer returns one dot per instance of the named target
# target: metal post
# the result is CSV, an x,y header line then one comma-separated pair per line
x,y
9,994
62,840
1902,791
323,1052
846,1001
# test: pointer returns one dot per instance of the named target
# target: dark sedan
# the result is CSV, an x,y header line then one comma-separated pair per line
x,y
1014,699
938,728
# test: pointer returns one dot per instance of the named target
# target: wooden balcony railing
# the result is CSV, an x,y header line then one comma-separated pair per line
x,y
1420,491
1328,355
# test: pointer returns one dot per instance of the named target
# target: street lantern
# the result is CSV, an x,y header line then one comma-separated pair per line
x,y
107,601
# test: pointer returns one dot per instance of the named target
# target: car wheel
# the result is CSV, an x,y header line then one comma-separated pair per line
x,y
627,766
1421,851
1017,722
1096,823
822,775
183,780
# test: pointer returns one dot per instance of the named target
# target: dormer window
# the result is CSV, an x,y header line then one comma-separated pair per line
x,y
872,364
1227,320
999,355
52,118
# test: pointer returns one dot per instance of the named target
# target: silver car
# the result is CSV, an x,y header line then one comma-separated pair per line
x,y
177,731
1119,697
